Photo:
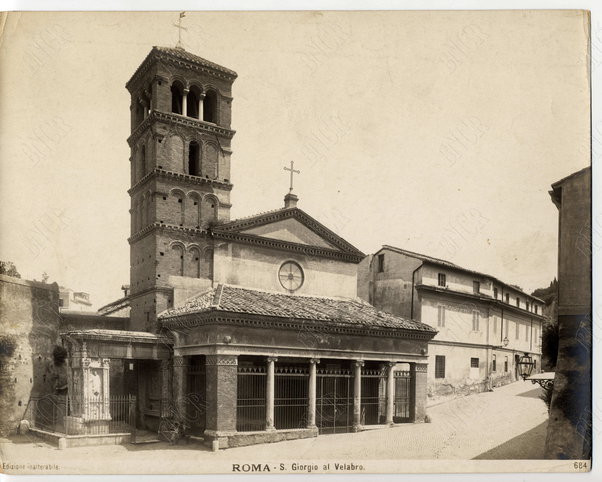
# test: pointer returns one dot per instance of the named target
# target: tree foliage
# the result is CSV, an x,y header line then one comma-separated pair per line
x,y
8,268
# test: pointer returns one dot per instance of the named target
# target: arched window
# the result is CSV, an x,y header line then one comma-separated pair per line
x,y
178,253
210,107
209,208
208,263
194,168
195,263
192,101
176,97
139,110
142,161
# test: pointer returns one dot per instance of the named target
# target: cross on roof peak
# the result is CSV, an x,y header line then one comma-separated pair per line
x,y
292,171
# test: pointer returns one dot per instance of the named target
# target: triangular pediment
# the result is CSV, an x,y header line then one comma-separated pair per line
x,y
291,226
290,230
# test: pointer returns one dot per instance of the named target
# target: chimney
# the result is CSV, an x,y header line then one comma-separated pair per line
x,y
290,201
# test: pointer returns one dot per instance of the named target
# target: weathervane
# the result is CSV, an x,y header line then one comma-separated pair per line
x,y
293,171
180,28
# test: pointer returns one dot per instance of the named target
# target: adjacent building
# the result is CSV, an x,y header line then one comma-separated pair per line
x,y
484,325
70,300
570,425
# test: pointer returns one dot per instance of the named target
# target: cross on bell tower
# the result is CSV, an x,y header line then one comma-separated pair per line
x,y
180,28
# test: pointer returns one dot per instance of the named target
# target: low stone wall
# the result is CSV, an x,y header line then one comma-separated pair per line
x,y
241,439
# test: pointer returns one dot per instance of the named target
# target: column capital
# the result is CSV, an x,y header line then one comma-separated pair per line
x,y
314,361
358,363
420,367
272,359
221,360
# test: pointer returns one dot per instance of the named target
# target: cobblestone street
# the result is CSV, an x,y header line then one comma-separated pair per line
x,y
508,423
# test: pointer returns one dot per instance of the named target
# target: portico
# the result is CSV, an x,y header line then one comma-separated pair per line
x,y
337,366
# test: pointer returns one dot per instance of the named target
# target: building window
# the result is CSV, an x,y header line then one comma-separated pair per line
x,y
193,159
518,301
495,324
441,316
495,293
507,326
475,320
441,280
476,287
493,364
506,364
507,298
61,302
474,363
517,330
534,363
535,309
210,107
439,366
176,97
381,263
192,102
527,305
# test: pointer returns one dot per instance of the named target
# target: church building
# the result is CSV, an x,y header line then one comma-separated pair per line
x,y
246,330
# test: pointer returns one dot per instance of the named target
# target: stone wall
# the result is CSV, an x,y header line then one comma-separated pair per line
x,y
29,313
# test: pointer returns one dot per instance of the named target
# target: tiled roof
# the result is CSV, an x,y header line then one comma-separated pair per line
x,y
184,55
339,312
118,334
449,264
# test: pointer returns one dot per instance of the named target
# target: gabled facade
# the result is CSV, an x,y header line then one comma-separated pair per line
x,y
484,325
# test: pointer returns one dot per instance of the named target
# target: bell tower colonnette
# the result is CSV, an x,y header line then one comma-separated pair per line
x,y
180,175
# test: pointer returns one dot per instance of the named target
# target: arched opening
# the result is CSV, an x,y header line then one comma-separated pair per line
x,y
194,167
208,262
192,101
140,115
176,97
142,161
210,107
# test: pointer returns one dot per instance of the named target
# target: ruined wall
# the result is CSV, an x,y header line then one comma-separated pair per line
x,y
29,317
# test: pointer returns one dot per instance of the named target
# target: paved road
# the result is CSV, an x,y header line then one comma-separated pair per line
x,y
508,423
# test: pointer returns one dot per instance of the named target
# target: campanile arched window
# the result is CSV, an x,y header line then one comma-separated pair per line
x,y
210,107
192,101
177,94
194,167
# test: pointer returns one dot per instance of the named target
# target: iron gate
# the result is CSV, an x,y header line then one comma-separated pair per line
x,y
403,397
196,396
291,386
373,399
250,399
334,401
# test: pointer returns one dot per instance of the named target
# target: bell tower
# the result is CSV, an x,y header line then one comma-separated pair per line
x,y
180,176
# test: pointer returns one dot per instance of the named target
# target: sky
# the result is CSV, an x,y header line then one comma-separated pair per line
x,y
437,132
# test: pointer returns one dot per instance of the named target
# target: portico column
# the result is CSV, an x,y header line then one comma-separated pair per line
x,y
311,414
418,387
179,380
269,399
357,395
221,389
390,393
185,102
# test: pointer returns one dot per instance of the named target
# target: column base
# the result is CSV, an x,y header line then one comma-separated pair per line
x,y
356,428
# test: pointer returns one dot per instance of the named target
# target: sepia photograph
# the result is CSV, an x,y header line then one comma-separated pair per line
x,y
296,242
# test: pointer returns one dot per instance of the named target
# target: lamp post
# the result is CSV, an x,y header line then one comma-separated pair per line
x,y
525,366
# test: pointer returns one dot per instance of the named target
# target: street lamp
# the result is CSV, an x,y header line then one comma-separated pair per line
x,y
525,366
